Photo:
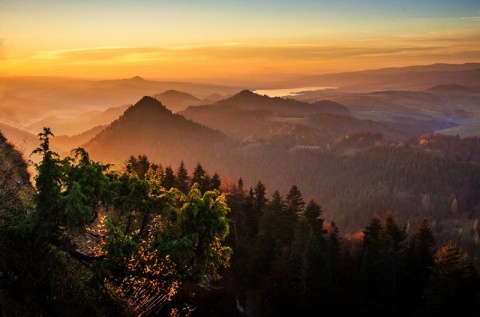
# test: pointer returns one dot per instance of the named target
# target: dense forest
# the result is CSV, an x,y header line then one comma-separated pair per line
x,y
156,240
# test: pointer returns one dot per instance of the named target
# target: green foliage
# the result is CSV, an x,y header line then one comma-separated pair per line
x,y
193,234
48,181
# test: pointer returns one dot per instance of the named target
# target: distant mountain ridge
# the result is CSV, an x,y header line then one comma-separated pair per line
x,y
176,100
248,100
247,116
417,77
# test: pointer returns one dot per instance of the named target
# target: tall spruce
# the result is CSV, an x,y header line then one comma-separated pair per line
x,y
182,180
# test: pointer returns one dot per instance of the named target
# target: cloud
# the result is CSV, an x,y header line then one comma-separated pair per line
x,y
237,59
99,54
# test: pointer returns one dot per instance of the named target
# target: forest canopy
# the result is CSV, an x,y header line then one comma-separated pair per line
x,y
151,240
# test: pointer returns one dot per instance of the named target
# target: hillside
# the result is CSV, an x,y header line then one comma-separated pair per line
x,y
25,142
353,176
248,116
149,128
401,78
177,101
282,107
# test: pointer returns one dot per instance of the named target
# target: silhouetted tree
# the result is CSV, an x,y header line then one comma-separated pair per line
x,y
453,287
170,179
182,180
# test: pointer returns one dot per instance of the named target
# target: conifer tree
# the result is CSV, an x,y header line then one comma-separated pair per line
x,y
419,263
182,179
215,182
295,202
453,287
138,165
201,178
170,179
48,200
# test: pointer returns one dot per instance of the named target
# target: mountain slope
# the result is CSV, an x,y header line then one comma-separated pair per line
x,y
283,107
249,116
149,128
402,78
176,100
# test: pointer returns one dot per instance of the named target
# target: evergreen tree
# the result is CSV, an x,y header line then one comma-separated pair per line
x,y
295,202
394,240
260,200
215,182
170,179
201,178
419,263
138,165
453,288
48,201
372,267
182,179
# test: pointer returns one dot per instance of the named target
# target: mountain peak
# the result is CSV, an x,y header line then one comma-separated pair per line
x,y
246,92
148,104
176,94
136,78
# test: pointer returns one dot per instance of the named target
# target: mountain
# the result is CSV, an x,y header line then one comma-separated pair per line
x,y
332,107
26,100
149,128
25,142
176,100
248,116
213,98
282,107
451,88
400,78
451,108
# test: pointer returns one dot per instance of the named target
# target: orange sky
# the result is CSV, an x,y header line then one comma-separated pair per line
x,y
247,40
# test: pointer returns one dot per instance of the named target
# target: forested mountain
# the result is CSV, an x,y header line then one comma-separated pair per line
x,y
323,201
147,241
149,128
177,101
353,173
248,116
281,107
449,108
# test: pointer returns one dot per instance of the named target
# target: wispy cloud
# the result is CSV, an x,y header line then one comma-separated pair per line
x,y
231,59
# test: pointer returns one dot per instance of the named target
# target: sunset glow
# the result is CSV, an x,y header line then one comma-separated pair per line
x,y
208,40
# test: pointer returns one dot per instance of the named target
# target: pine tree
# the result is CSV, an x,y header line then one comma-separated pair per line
x,y
453,288
138,165
394,254
48,200
201,178
182,178
215,182
170,179
372,266
295,202
419,263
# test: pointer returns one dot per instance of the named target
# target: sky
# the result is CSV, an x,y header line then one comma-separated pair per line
x,y
221,40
